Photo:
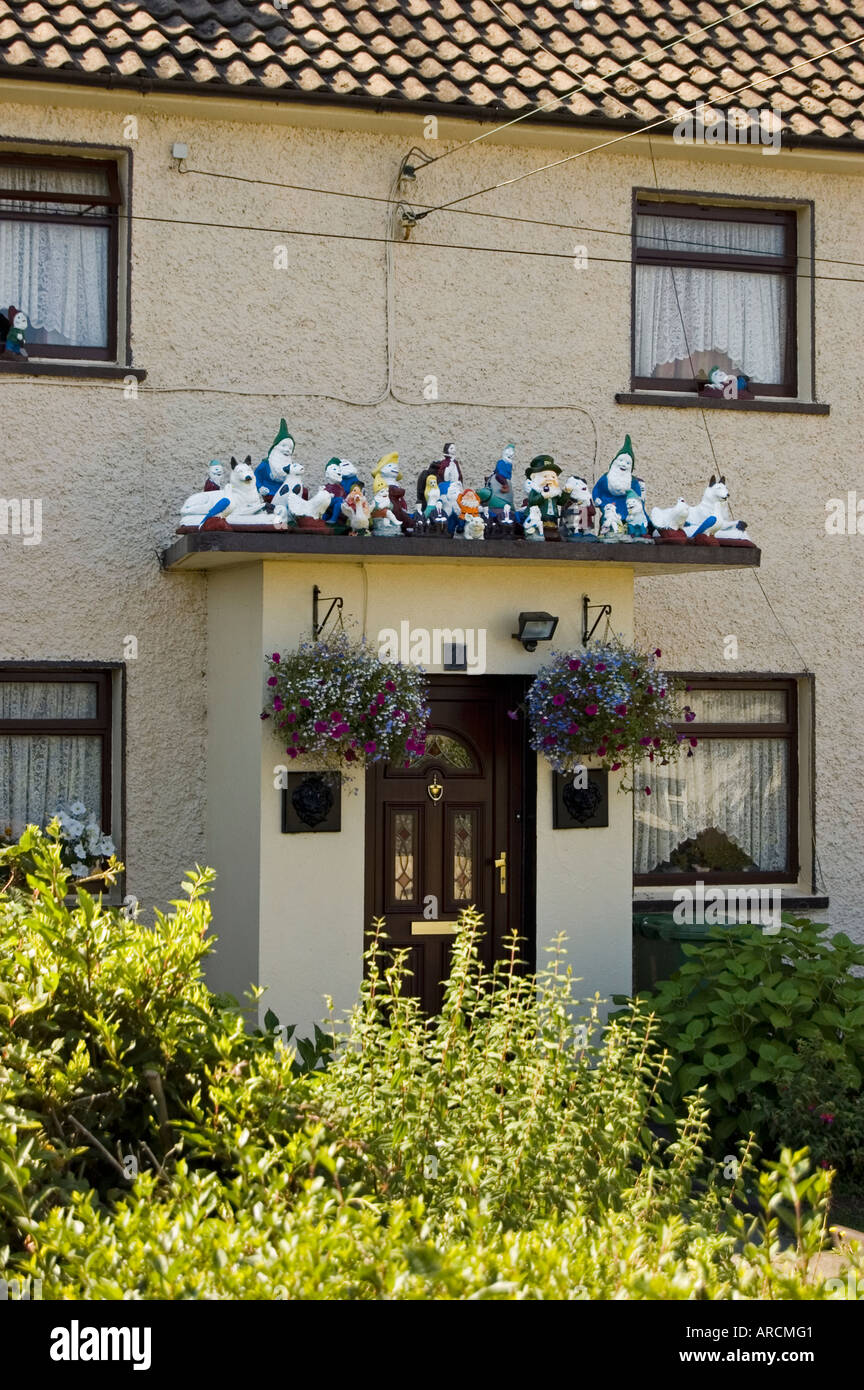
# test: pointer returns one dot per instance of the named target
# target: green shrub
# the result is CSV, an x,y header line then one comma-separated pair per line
x,y
733,1016
823,1108
490,1152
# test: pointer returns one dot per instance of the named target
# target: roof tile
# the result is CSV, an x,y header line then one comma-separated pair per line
x,y
616,59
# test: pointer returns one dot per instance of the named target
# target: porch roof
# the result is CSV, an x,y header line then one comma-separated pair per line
x,y
203,550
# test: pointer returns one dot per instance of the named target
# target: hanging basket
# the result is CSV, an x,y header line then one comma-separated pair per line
x,y
335,703
611,705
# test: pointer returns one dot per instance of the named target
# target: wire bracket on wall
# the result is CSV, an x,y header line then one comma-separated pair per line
x,y
318,628
588,607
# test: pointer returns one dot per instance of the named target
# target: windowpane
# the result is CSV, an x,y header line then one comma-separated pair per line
x,y
739,706
462,850
442,748
48,700
404,856
724,809
718,238
689,320
39,771
58,274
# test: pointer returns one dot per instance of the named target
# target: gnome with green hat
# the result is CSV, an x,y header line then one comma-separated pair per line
x,y
544,492
617,481
273,470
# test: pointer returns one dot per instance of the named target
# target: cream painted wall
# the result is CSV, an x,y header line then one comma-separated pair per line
x,y
522,347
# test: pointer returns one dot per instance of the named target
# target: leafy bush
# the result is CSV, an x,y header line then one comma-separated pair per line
x,y
733,1016
491,1152
823,1108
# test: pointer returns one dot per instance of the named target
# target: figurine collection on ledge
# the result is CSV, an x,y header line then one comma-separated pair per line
x,y
271,497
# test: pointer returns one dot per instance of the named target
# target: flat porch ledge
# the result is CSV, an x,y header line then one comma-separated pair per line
x,y
202,550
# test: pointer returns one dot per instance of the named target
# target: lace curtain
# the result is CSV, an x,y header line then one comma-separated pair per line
x,y
736,787
734,319
56,272
40,770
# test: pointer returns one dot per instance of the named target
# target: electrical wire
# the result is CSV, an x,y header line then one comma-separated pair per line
x,y
472,212
641,130
583,81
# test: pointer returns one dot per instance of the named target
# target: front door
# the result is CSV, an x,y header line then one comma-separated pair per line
x,y
451,831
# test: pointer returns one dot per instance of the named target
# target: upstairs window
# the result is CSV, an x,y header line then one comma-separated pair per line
x,y
58,254
714,287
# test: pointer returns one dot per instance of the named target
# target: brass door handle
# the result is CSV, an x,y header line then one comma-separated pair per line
x,y
501,866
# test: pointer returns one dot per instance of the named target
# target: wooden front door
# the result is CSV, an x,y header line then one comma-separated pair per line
x,y
452,830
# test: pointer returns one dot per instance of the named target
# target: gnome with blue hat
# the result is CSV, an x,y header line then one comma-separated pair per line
x,y
617,481
499,483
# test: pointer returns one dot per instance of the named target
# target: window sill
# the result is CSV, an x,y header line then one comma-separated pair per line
x,y
85,370
681,400
789,902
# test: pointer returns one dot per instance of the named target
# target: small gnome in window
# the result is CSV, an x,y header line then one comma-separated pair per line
x,y
16,335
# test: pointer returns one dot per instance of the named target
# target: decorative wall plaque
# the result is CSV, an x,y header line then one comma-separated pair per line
x,y
580,808
311,802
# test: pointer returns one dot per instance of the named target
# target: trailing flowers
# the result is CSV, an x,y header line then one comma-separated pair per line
x,y
336,702
611,703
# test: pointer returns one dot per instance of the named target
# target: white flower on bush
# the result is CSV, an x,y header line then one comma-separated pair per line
x,y
80,870
78,808
82,836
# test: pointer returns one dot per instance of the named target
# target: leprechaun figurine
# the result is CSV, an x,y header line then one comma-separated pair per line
x,y
544,493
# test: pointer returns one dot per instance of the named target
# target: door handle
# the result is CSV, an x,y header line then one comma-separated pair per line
x,y
501,866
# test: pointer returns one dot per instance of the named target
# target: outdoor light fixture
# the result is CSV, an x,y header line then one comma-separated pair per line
x,y
534,628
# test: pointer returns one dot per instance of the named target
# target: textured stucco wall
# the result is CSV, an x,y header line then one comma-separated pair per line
x,y
522,347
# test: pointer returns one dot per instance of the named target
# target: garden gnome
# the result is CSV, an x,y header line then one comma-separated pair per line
x,y
333,474
499,482
384,520
532,526
438,469
466,519
17,334
611,527
545,492
637,521
387,473
356,510
274,469
577,510
215,477
617,481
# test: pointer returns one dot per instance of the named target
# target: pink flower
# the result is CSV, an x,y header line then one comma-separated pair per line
x,y
574,665
662,693
646,742
335,716
271,680
601,666
694,743
558,700
647,791
350,755
621,709
320,726
650,689
601,751
264,714
656,742
307,704
615,766
370,747
292,752
276,657
824,1163
388,685
591,710
277,703
572,728
290,716
827,1117
657,651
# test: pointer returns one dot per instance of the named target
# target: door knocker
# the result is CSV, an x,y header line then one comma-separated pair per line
x,y
435,789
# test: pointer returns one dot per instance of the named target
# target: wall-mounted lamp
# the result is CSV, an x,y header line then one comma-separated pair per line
x,y
534,628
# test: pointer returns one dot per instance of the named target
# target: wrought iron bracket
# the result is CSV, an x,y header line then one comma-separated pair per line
x,y
588,607
318,628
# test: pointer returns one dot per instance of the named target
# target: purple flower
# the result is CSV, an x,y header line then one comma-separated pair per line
x,y
591,710
370,747
264,714
271,680
388,685
601,751
615,767
645,742
512,714
558,700
276,657
647,791
574,665
277,703
572,728
657,651
290,716
307,704
600,666
694,743
650,689
689,715
320,726
656,742
827,1117
621,709
335,716
292,752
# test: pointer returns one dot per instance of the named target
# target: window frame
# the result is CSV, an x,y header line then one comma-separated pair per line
x,y
102,724
788,730
110,218
667,206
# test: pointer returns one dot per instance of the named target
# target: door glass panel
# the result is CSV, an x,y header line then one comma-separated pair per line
x,y
404,855
462,831
443,748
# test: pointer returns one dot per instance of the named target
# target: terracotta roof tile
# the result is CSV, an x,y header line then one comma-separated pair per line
x,y
461,54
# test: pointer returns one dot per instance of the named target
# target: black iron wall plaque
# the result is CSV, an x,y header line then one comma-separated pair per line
x,y
311,802
580,808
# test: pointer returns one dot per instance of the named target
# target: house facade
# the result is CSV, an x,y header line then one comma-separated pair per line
x,y
204,220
